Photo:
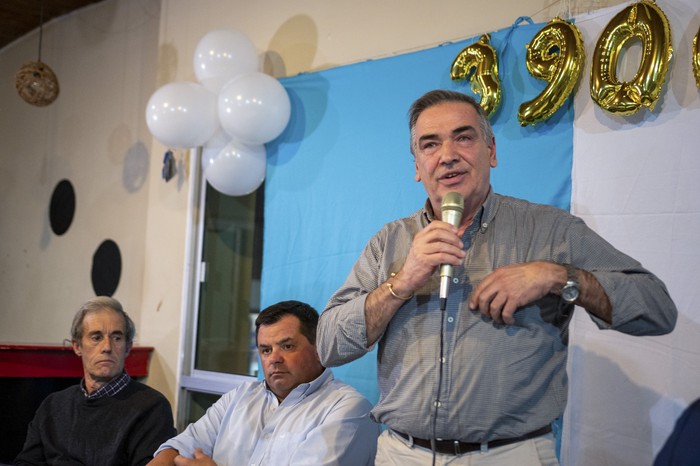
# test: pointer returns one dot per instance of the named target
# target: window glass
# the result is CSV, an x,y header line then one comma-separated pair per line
x,y
197,405
229,290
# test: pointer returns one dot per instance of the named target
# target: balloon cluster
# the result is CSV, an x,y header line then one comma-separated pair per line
x,y
232,111
556,55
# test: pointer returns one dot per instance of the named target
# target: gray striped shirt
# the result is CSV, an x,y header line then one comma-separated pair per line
x,y
498,381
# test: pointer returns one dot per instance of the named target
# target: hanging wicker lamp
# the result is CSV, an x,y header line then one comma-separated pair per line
x,y
35,81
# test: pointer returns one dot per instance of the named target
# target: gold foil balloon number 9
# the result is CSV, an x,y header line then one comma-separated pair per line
x,y
555,55
478,64
648,23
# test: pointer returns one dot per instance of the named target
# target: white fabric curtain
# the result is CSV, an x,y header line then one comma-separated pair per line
x,y
635,181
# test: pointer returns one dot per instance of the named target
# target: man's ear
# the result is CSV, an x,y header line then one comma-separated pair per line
x,y
417,175
76,348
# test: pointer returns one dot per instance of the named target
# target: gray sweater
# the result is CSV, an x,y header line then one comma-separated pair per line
x,y
124,429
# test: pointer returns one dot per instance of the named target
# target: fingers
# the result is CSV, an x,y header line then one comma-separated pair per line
x,y
443,232
493,304
501,293
199,458
436,244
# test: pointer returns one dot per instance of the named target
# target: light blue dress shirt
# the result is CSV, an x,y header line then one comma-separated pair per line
x,y
324,422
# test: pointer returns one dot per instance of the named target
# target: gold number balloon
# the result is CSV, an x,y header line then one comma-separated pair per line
x,y
555,55
696,58
478,64
648,23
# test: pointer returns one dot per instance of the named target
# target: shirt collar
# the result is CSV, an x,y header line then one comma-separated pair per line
x,y
482,218
111,388
303,390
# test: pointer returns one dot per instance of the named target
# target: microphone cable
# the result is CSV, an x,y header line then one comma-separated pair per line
x,y
441,363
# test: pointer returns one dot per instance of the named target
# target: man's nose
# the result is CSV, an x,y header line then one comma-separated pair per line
x,y
107,345
275,356
448,151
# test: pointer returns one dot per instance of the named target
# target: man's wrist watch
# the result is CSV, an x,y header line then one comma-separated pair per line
x,y
570,291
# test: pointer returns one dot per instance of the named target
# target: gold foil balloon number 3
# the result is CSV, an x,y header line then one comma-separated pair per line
x,y
478,64
555,55
648,23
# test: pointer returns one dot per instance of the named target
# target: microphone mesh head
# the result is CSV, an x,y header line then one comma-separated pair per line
x,y
453,201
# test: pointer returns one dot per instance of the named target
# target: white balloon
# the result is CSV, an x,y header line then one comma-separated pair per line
x,y
182,114
222,54
254,108
237,170
212,147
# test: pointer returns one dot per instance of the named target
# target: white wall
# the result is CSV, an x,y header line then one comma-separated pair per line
x,y
109,59
94,135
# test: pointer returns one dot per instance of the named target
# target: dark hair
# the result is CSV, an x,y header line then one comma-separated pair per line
x,y
97,304
432,98
307,315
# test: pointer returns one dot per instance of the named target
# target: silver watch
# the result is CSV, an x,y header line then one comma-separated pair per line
x,y
570,291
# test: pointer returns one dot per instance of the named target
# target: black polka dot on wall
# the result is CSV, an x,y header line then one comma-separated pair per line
x,y
106,268
62,208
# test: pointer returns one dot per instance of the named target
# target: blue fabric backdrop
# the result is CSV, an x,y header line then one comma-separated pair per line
x,y
343,168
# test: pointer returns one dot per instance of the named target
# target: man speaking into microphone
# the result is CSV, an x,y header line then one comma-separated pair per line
x,y
481,381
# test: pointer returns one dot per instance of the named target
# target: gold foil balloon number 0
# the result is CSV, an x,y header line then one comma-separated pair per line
x,y
555,55
478,64
648,23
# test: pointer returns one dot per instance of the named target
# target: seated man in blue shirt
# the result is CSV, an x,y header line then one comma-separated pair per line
x,y
298,415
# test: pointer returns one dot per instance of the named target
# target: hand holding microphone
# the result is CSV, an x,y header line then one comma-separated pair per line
x,y
452,208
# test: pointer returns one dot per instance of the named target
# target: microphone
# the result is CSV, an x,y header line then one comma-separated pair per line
x,y
452,208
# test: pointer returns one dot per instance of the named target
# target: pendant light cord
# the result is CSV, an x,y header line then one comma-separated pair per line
x,y
41,27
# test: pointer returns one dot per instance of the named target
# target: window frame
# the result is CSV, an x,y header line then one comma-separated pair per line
x,y
190,379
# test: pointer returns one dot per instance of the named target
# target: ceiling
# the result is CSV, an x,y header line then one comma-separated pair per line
x,y
18,17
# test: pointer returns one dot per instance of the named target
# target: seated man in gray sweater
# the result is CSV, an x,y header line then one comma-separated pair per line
x,y
109,419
